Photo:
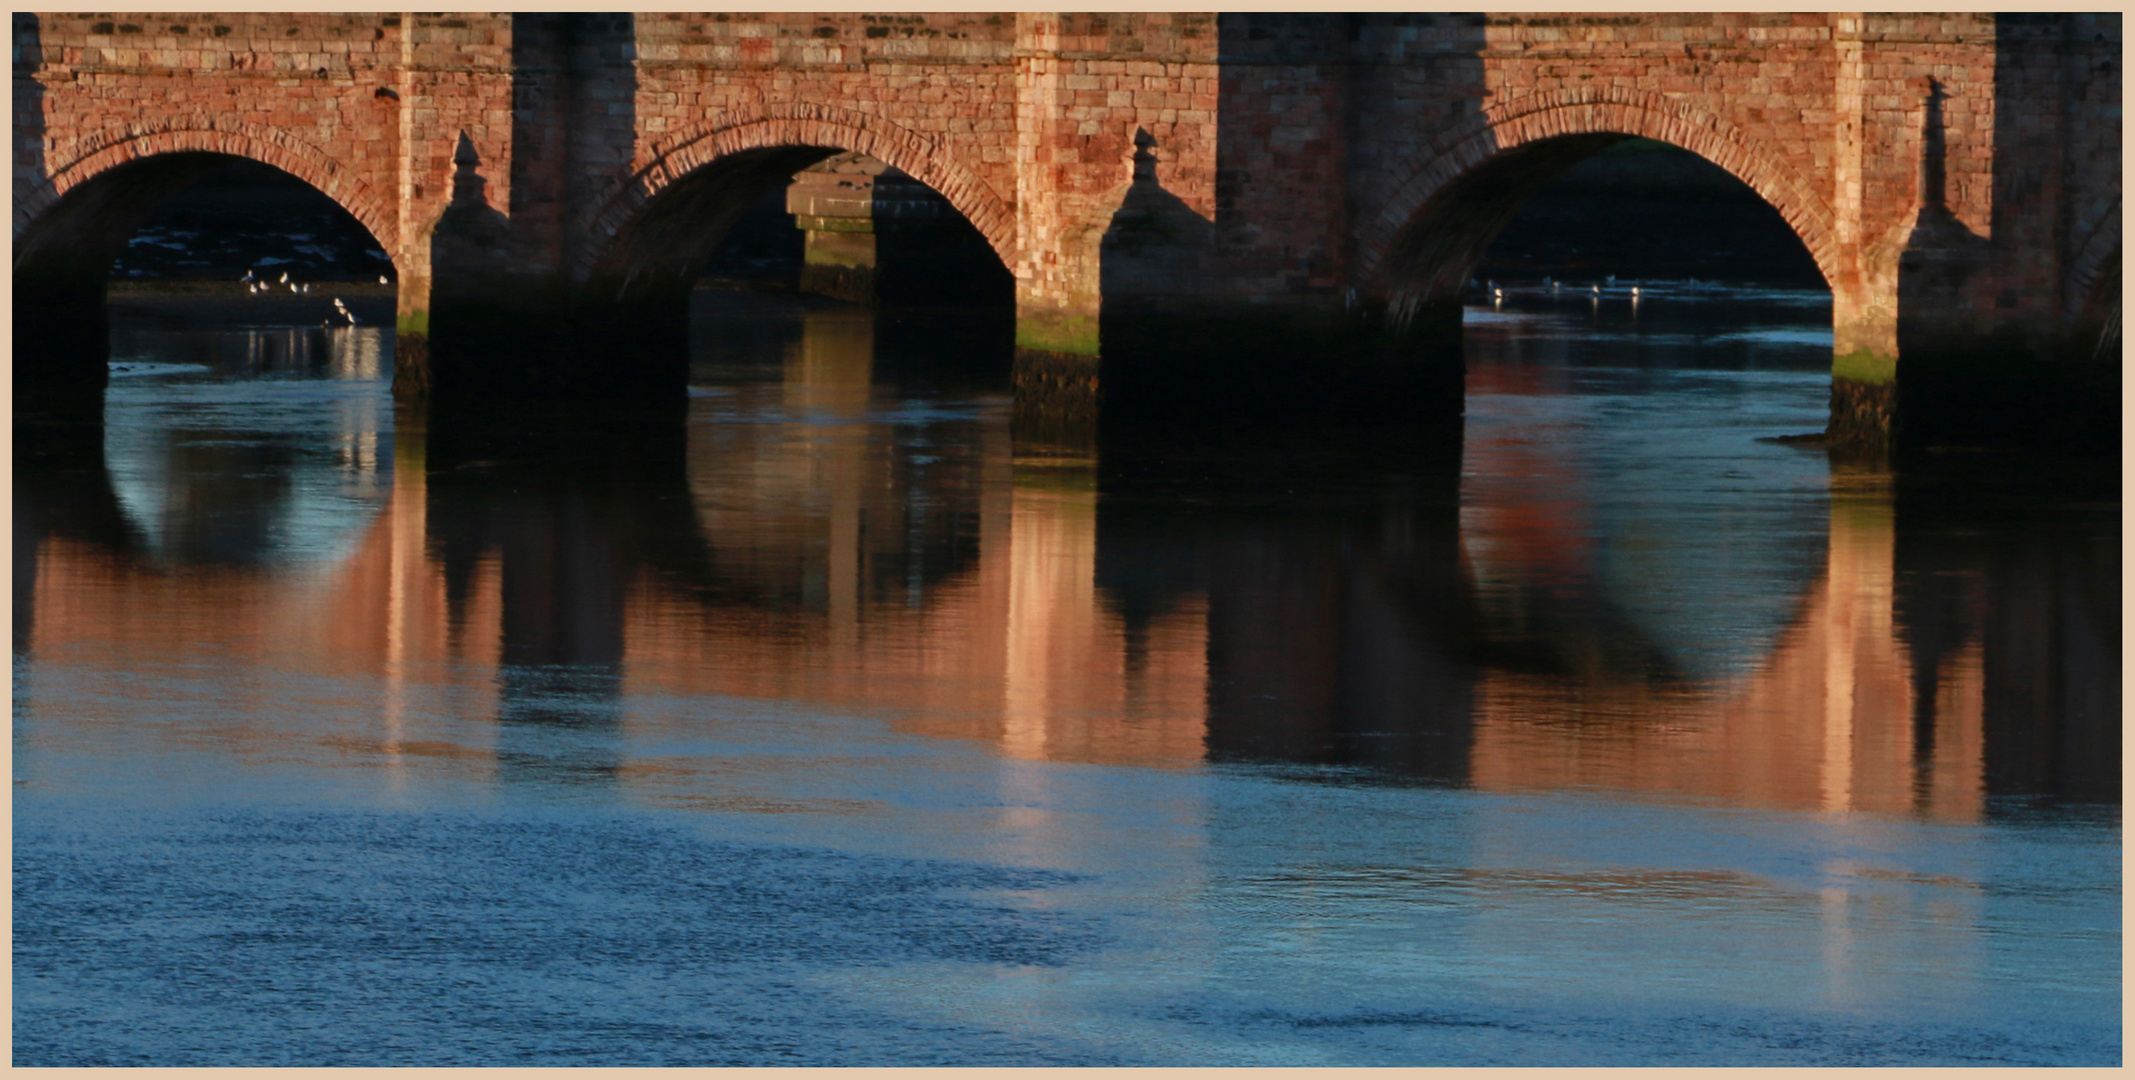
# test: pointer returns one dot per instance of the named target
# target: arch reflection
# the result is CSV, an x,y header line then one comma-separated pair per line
x,y
544,605
874,551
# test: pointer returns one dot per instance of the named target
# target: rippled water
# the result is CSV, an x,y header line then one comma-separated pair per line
x,y
847,725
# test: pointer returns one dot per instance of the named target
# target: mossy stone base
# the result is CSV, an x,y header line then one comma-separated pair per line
x,y
1061,335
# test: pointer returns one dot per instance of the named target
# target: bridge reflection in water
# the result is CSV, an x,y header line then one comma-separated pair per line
x,y
1828,720
819,538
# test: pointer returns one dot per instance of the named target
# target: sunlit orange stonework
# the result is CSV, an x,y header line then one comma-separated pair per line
x,y
1955,177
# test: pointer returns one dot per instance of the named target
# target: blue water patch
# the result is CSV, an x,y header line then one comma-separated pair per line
x,y
1405,927
1781,336
143,369
294,936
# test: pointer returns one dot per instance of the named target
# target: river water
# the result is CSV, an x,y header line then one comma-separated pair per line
x,y
847,724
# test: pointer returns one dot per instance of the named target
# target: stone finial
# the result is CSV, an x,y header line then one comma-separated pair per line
x,y
467,184
1144,154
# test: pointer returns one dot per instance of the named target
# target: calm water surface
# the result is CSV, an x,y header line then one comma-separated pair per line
x,y
842,725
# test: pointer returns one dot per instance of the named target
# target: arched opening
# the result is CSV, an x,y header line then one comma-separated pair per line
x,y
1642,208
852,227
251,216
1637,328
183,240
819,291
1606,250
1589,207
817,224
147,295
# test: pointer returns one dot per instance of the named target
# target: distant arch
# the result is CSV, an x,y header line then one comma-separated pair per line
x,y
1534,119
925,158
95,155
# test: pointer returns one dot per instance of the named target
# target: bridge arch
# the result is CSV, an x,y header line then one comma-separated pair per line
x,y
1428,236
631,234
43,209
71,222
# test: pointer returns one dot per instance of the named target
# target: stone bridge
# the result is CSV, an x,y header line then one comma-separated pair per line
x,y
1312,190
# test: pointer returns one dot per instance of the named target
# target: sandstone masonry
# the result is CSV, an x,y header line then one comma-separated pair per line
x,y
1326,180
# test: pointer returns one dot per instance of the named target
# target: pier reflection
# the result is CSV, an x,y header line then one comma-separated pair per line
x,y
1827,721
870,551
518,603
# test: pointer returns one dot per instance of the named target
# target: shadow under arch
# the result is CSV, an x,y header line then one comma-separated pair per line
x,y
71,225
650,235
674,160
637,289
1417,252
642,273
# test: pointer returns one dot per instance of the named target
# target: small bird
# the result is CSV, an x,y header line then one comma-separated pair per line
x,y
293,288
352,319
1612,279
338,305
381,279
1634,291
285,277
1498,293
247,277
253,288
1597,290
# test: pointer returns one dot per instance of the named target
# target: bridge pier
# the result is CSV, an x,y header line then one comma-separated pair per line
x,y
834,205
1864,366
61,347
493,320
504,342
494,339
